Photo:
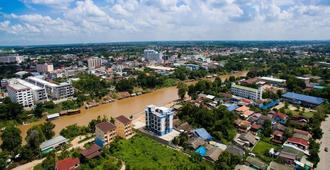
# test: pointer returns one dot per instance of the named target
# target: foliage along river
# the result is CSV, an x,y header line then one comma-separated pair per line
x,y
129,106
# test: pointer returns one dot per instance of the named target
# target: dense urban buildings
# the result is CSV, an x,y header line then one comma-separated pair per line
x,y
159,119
11,59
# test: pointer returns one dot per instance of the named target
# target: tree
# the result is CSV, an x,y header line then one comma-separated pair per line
x,y
314,149
182,90
34,138
47,129
267,129
3,160
38,110
227,161
11,139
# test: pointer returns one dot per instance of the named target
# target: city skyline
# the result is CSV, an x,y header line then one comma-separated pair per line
x,y
39,22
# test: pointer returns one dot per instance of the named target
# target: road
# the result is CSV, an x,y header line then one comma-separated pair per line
x,y
30,165
325,156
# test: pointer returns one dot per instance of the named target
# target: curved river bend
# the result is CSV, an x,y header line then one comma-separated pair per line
x,y
129,106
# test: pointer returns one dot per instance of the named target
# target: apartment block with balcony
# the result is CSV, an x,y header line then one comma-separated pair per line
x,y
159,120
20,94
105,133
124,127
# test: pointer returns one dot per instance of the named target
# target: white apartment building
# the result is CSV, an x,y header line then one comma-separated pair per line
x,y
45,68
152,55
39,94
246,92
94,62
20,94
54,91
159,119
11,59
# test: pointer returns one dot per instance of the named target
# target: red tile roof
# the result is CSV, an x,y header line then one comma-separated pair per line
x,y
67,164
123,120
298,141
256,126
281,115
242,109
106,126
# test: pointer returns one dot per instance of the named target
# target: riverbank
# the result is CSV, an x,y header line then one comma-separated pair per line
x,y
128,106
324,156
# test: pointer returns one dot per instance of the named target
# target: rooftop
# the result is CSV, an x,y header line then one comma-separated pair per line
x,y
123,119
244,88
106,126
202,133
273,79
54,141
304,98
67,164
28,84
42,81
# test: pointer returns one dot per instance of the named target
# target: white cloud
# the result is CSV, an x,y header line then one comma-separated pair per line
x,y
124,20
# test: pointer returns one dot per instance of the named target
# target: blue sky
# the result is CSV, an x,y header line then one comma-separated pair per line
x,y
26,22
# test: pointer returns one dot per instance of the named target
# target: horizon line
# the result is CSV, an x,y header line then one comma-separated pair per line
x,y
154,41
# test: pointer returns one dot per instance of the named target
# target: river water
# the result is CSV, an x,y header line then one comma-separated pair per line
x,y
129,106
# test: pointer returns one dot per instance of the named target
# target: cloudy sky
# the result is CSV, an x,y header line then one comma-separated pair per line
x,y
24,22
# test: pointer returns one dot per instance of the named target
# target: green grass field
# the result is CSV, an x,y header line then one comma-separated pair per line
x,y
261,150
141,152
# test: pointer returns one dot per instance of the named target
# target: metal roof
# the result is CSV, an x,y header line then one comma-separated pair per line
x,y
202,133
53,142
304,98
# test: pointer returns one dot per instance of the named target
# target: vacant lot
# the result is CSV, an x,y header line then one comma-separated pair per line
x,y
262,148
141,152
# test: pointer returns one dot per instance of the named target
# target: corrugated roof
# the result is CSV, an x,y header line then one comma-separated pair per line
x,y
202,133
304,98
54,141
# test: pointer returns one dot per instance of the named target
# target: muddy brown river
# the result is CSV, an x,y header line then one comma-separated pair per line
x,y
129,106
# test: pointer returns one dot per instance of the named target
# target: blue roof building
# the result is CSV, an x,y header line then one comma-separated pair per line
x,y
301,99
202,133
269,105
201,151
231,107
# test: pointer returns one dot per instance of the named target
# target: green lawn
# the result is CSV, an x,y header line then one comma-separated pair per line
x,y
141,152
261,150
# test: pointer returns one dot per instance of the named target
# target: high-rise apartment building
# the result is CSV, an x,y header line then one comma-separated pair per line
x,y
152,55
94,62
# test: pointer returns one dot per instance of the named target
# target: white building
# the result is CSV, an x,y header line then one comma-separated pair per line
x,y
45,68
246,92
55,91
152,55
11,59
20,94
274,81
159,119
94,62
39,94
